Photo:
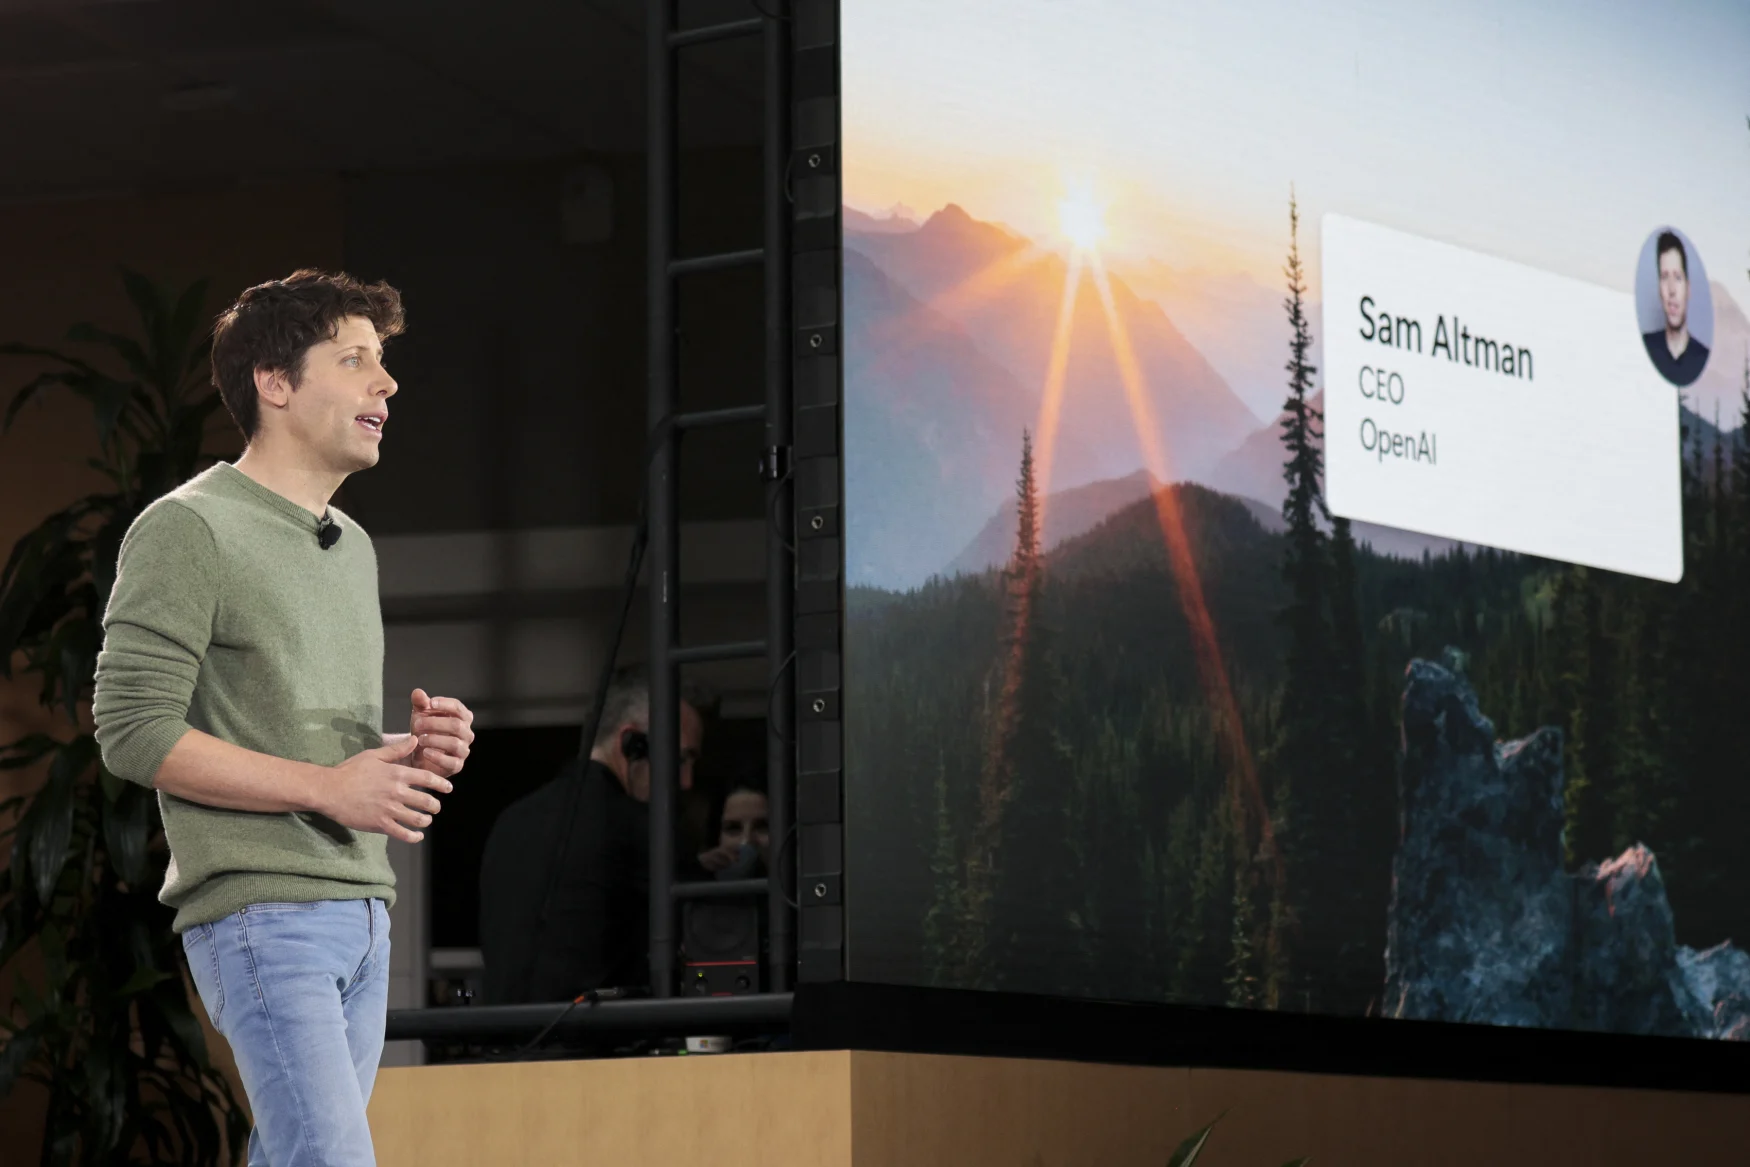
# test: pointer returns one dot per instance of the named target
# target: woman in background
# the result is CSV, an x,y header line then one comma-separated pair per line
x,y
743,835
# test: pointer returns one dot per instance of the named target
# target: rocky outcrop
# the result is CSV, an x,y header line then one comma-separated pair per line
x,y
1719,976
1487,926
1626,976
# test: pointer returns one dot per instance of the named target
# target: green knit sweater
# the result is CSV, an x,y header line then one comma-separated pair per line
x,y
227,617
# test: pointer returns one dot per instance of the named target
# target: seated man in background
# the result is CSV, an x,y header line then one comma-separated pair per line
x,y
559,916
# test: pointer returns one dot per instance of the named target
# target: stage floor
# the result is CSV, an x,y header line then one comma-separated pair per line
x,y
857,1109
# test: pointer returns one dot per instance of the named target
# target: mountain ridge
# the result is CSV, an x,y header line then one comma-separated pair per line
x,y
1009,294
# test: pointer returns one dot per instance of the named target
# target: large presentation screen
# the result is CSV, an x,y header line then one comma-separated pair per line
x,y
1297,507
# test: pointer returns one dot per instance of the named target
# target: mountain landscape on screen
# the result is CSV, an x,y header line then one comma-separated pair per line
x,y
930,434
953,327
1718,392
1137,708
1008,294
1128,713
1223,313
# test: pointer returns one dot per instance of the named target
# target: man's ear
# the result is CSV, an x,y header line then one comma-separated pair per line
x,y
634,744
273,387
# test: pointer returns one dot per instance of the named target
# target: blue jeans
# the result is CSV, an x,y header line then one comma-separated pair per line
x,y
301,991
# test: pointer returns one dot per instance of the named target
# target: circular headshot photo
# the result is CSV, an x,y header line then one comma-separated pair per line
x,y
1674,305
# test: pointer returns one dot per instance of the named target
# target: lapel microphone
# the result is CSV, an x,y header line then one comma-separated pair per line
x,y
327,532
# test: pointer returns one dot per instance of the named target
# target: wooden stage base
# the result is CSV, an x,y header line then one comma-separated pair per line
x,y
846,1109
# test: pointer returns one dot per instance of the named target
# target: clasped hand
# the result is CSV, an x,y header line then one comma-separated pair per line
x,y
389,790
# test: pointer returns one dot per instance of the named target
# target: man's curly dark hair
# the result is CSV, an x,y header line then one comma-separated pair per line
x,y
274,325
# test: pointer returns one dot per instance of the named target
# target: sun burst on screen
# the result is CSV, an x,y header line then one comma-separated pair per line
x,y
1082,218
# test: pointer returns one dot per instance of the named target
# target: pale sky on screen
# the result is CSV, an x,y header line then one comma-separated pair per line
x,y
1556,134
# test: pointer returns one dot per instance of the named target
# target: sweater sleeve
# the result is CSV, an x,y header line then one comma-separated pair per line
x,y
156,630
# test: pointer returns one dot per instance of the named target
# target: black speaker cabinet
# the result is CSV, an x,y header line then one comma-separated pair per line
x,y
721,942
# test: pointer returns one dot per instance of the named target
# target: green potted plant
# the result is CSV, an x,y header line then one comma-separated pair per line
x,y
107,1029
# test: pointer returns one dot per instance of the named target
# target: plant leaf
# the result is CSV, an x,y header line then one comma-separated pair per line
x,y
127,828
156,473
26,751
80,642
16,1054
145,976
148,302
109,402
186,1033
186,318
184,344
39,385
27,577
111,785
124,1058
198,356
1192,1147
108,1097
54,826
53,947
106,547
189,433
13,348
125,347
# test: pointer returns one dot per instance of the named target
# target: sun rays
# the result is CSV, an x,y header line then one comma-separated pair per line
x,y
1082,222
1056,372
1082,218
1211,665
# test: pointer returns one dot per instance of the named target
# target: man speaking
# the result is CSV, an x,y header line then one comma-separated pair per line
x,y
1677,355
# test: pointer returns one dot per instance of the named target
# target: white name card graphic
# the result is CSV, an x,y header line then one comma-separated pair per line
x,y
1481,400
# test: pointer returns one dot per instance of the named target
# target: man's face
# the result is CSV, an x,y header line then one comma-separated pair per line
x,y
341,405
692,734
1673,289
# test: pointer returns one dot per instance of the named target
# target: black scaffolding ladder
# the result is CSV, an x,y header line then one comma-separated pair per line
x,y
667,44
800,256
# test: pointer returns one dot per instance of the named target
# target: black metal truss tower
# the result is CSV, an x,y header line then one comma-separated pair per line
x,y
799,257
799,456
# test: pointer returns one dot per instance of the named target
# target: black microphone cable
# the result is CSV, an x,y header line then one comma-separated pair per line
x,y
591,996
592,728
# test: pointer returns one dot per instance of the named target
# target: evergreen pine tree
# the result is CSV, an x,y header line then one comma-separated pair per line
x,y
1719,489
1741,478
1598,829
1037,892
1275,991
1736,492
1734,651
1241,981
1304,568
1361,794
1017,894
946,907
1302,757
1199,970
1737,612
1024,564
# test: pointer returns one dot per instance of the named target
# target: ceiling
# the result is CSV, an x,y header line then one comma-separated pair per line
x,y
157,94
